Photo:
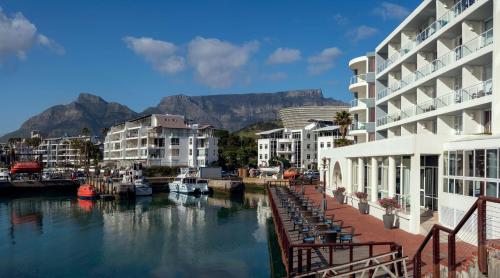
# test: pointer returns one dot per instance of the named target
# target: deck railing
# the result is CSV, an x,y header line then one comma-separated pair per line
x,y
486,217
301,253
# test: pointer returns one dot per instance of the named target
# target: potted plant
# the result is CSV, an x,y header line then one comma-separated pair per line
x,y
363,202
390,204
339,194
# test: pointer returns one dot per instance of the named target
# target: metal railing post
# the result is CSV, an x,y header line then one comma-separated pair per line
x,y
481,235
451,255
435,252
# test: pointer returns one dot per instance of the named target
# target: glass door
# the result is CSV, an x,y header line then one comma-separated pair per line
x,y
428,187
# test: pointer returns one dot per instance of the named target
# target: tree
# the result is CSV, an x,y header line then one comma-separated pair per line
x,y
85,131
275,160
343,120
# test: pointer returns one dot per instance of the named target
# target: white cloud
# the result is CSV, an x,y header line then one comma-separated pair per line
x,y
18,35
276,76
388,10
323,61
340,19
217,63
161,54
284,56
362,32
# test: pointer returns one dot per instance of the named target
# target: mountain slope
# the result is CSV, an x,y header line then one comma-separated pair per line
x,y
236,111
87,111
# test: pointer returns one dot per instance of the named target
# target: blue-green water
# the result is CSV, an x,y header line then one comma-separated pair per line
x,y
167,235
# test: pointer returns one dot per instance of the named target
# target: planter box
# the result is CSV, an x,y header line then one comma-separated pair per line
x,y
364,208
388,220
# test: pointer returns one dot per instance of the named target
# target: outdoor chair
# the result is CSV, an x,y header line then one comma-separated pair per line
x,y
347,236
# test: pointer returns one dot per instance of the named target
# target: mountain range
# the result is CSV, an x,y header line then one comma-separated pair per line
x,y
230,111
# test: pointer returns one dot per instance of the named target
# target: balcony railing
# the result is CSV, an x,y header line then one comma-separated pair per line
x,y
447,59
479,90
369,102
365,77
363,126
455,11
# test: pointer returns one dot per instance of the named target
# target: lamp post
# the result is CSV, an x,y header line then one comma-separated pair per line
x,y
325,164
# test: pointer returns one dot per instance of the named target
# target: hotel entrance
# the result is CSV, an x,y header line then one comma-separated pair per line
x,y
429,182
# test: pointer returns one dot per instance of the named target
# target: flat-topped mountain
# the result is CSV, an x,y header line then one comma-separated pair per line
x,y
230,111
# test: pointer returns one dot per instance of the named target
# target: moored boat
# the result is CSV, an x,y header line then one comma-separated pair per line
x,y
87,192
188,183
142,188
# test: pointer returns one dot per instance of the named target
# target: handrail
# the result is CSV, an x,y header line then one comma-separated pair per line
x,y
480,206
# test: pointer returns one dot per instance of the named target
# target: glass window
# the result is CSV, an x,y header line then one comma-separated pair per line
x,y
478,188
445,185
469,163
451,185
460,163
445,161
479,161
459,189
492,164
491,189
469,188
453,164
174,141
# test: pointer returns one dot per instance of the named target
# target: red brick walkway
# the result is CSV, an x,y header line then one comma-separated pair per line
x,y
369,228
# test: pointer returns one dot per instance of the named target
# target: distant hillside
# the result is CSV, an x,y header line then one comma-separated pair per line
x,y
236,111
231,112
250,131
87,111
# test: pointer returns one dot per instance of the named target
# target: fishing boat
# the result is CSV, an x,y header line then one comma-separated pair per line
x,y
87,192
142,188
187,182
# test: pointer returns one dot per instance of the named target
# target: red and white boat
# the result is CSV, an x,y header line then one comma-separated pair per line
x,y
87,192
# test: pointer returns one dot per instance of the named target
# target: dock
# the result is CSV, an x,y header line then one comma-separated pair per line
x,y
37,186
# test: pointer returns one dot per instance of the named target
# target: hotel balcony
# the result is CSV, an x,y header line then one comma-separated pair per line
x,y
384,65
451,100
483,42
361,104
361,127
284,150
361,80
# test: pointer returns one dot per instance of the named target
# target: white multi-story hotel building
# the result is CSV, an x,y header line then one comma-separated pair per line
x,y
299,140
59,152
437,112
362,86
166,140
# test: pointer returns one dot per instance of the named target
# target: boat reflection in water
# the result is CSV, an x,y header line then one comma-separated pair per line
x,y
172,235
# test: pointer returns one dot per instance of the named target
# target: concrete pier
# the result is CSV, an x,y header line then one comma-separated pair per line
x,y
35,186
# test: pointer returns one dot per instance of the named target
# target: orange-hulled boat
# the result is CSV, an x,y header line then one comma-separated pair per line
x,y
290,174
26,167
87,192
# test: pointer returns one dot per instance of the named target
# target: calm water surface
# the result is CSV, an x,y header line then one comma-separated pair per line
x,y
167,235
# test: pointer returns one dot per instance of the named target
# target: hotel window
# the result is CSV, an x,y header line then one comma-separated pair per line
x,y
174,152
382,177
190,141
321,145
190,151
265,146
260,156
479,160
328,144
308,136
487,121
308,156
492,164
492,189
445,164
460,163
308,146
459,189
367,178
174,141
469,163
265,156
354,187
452,164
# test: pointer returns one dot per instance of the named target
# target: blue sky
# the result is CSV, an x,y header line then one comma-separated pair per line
x,y
136,52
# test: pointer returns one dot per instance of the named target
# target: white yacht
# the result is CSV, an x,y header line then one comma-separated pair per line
x,y
142,188
4,174
188,183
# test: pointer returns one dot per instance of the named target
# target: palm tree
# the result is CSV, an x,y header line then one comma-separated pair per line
x,y
104,132
343,120
85,131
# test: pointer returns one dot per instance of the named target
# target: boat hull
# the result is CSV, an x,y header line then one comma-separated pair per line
x,y
143,191
183,188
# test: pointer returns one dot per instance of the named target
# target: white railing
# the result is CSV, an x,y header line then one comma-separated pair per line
x,y
368,126
430,30
447,59
479,90
365,77
354,102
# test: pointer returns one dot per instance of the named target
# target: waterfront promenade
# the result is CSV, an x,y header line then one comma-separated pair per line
x,y
371,229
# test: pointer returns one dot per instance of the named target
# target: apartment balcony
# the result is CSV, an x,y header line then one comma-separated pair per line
x,y
447,60
428,32
361,104
361,127
285,150
454,98
361,80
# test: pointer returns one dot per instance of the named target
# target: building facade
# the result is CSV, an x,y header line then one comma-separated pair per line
x,y
362,86
163,140
298,141
437,110
59,152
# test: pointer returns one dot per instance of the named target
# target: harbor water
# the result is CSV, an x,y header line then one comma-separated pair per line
x,y
166,235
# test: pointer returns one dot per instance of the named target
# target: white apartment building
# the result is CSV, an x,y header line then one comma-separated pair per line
x,y
362,86
437,113
165,140
298,140
58,151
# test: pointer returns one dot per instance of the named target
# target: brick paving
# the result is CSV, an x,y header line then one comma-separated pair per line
x,y
369,228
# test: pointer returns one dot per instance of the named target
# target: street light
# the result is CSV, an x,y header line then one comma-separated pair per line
x,y
326,163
